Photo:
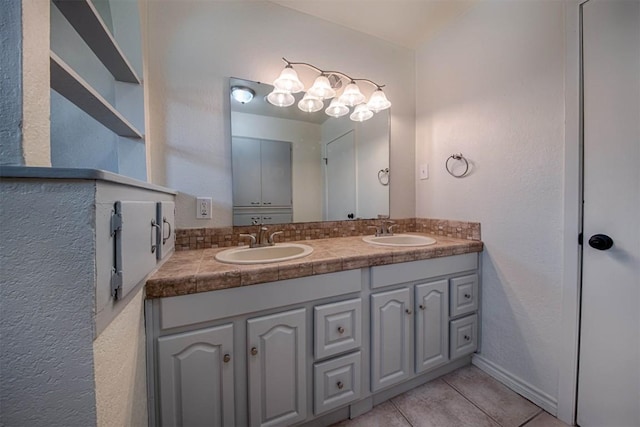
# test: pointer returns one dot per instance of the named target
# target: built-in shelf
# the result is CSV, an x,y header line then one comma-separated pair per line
x,y
85,19
69,84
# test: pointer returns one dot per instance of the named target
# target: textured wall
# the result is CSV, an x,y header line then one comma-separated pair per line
x,y
120,369
47,300
193,47
491,87
11,84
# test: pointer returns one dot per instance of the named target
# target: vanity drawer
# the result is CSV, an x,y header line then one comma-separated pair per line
x,y
464,295
336,382
337,327
463,335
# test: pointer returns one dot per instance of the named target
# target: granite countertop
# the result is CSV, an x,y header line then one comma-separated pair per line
x,y
189,272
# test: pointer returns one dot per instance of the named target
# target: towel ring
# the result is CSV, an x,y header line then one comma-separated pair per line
x,y
381,176
458,156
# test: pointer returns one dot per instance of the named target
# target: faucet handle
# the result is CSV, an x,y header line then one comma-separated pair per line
x,y
271,242
390,229
386,229
252,242
376,228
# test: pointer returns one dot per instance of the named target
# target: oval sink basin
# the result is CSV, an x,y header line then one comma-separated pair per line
x,y
400,240
277,253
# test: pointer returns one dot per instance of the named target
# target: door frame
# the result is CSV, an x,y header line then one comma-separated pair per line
x,y
572,251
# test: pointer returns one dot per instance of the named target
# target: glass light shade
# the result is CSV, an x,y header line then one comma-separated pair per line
x,y
242,94
378,101
280,98
361,113
289,81
336,109
352,95
322,88
310,103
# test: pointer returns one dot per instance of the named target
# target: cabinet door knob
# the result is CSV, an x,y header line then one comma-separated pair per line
x,y
422,307
467,338
408,311
226,358
340,330
340,385
254,351
467,296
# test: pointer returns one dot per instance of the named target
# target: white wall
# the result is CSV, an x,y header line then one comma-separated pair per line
x,y
491,86
120,369
306,156
194,46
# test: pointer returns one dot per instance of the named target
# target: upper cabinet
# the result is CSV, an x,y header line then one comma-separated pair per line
x,y
97,100
261,173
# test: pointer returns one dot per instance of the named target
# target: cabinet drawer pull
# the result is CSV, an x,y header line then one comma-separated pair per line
x,y
254,351
408,311
422,307
340,385
164,221
467,296
267,203
226,358
467,338
255,203
340,330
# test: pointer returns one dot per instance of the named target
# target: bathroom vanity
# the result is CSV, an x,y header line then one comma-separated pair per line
x,y
313,340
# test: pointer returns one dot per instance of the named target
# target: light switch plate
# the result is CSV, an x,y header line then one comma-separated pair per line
x,y
203,207
424,171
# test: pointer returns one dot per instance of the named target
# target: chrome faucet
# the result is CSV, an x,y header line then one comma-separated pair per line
x,y
261,238
385,229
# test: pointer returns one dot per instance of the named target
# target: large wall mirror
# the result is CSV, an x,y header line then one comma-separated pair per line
x,y
293,166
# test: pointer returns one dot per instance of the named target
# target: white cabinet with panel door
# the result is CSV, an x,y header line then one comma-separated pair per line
x,y
277,369
196,383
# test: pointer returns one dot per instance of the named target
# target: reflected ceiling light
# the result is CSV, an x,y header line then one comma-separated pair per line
x,y
336,109
281,98
361,113
242,94
310,103
325,86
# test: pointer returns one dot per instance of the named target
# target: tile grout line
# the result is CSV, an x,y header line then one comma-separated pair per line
x,y
531,418
470,401
400,411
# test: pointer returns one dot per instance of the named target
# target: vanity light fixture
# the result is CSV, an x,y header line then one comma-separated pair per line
x,y
242,94
324,87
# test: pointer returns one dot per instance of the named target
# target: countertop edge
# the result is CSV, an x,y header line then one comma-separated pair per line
x,y
214,276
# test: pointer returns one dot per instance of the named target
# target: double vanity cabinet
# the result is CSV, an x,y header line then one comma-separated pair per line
x,y
313,349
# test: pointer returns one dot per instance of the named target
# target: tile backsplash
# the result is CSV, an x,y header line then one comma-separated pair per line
x,y
204,238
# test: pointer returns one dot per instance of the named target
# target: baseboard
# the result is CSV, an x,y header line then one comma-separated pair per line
x,y
518,385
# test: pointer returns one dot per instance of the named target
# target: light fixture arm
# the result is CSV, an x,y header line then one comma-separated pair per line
x,y
326,72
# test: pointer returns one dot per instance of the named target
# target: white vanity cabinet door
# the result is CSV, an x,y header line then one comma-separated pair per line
x,y
246,170
277,371
276,173
391,317
195,372
432,339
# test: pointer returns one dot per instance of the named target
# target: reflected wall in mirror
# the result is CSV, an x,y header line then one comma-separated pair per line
x,y
293,166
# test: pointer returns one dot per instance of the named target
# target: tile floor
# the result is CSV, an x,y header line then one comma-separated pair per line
x,y
466,397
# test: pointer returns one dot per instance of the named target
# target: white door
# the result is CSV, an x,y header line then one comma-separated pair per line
x,y
609,368
341,178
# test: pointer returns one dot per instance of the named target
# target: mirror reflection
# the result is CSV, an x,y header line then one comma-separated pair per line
x,y
293,166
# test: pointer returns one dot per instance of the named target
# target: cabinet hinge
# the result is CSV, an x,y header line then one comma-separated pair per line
x,y
116,284
116,223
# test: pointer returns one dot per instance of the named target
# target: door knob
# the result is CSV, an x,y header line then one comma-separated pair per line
x,y
601,242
